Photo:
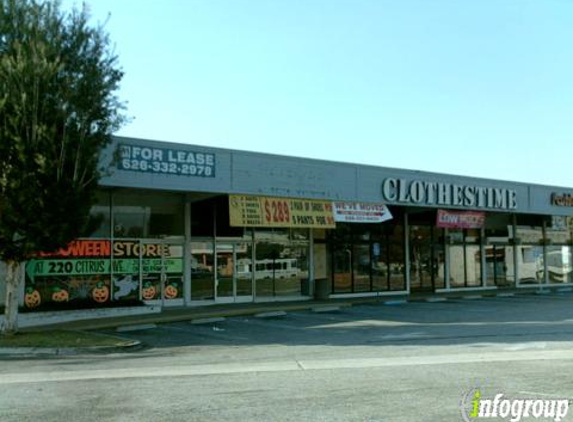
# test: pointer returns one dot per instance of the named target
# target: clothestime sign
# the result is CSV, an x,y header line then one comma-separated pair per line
x,y
421,192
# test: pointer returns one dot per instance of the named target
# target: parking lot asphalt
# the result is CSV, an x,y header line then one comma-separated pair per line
x,y
490,321
370,362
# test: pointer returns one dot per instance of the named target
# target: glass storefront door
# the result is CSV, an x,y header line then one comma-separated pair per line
x,y
225,275
161,272
421,258
243,272
464,251
499,265
281,268
202,271
172,262
233,278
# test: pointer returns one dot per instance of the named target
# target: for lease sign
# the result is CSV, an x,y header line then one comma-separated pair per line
x,y
166,161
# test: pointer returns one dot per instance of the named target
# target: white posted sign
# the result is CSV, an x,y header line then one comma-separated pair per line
x,y
360,212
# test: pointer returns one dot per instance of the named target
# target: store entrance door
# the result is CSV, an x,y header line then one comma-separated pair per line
x,y
499,265
234,275
426,259
420,259
161,272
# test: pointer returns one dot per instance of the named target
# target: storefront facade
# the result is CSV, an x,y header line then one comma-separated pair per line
x,y
183,225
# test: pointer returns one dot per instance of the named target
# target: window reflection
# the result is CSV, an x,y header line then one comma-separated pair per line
x,y
426,258
202,271
464,256
499,262
367,258
147,214
559,264
281,269
342,266
361,268
100,212
530,261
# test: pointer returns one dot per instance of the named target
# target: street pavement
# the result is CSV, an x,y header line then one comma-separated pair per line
x,y
372,362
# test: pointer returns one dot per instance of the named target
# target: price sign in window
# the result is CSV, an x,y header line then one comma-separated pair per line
x,y
262,211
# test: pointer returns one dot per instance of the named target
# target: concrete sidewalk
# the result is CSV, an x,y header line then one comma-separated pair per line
x,y
210,311
229,310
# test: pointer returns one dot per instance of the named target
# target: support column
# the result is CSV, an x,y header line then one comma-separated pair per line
x,y
447,243
545,271
187,253
515,244
482,245
407,250
311,282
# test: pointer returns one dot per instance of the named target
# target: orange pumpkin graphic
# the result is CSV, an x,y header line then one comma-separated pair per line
x,y
170,291
60,295
32,298
100,293
148,291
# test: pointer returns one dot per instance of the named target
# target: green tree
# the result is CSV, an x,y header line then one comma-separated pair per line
x,y
58,109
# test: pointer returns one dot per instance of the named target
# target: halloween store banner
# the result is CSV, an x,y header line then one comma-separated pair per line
x,y
83,272
265,211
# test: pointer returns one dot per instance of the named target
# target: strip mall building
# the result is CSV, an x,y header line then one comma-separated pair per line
x,y
187,225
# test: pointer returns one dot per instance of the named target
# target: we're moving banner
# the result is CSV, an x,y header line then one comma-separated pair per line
x,y
361,212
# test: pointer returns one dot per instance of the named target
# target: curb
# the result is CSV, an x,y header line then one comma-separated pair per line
x,y
33,320
40,352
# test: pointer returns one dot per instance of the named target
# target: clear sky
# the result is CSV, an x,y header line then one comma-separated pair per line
x,y
471,87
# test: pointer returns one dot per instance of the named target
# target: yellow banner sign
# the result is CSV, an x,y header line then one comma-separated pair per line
x,y
263,211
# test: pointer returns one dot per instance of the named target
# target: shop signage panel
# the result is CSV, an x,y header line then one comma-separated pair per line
x,y
360,212
103,248
562,200
68,267
460,219
169,161
421,192
264,211
99,270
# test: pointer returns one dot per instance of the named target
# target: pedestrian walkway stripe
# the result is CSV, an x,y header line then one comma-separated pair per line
x,y
138,327
207,320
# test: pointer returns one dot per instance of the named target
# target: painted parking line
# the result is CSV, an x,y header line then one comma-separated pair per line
x,y
325,309
271,324
271,314
137,327
436,299
201,331
213,320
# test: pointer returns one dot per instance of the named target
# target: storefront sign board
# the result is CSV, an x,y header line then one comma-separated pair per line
x,y
562,200
360,212
460,219
264,211
169,161
422,192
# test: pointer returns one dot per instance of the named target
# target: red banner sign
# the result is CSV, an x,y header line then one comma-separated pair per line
x,y
460,219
